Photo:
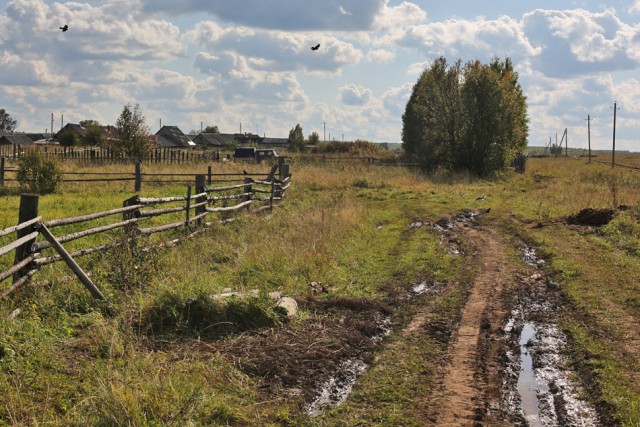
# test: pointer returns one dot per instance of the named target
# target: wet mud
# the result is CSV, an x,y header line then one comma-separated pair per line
x,y
540,387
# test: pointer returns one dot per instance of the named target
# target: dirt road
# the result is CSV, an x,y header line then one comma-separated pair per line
x,y
468,383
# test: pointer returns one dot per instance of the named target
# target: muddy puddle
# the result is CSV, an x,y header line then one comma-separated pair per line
x,y
335,390
541,389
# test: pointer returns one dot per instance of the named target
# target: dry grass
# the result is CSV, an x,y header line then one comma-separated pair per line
x,y
342,224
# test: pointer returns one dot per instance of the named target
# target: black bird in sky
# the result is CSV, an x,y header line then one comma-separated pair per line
x,y
65,28
316,47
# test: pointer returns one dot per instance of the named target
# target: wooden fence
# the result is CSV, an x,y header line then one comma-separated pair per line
x,y
35,246
137,176
106,155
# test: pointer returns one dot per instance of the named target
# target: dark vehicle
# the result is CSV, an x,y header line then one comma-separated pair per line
x,y
245,153
252,153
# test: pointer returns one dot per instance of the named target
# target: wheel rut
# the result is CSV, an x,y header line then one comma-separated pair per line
x,y
466,381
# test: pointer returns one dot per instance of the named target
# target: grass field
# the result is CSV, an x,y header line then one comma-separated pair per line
x,y
149,354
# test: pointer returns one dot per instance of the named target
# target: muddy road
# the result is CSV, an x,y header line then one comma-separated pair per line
x,y
504,360
508,361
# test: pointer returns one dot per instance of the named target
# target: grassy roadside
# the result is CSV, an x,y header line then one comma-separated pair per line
x,y
66,360
597,268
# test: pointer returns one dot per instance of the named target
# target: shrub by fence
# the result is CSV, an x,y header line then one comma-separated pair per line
x,y
35,245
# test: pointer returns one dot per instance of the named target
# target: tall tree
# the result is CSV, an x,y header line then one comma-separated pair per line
x,y
296,139
95,135
68,137
431,122
314,138
7,123
133,133
472,118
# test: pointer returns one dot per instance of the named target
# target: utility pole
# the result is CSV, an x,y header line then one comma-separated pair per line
x,y
613,151
589,135
52,126
566,143
324,131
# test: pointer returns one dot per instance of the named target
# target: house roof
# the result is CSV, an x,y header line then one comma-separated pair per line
x,y
110,132
214,139
275,142
35,136
19,139
172,137
79,130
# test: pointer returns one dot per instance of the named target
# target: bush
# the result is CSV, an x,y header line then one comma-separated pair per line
x,y
39,175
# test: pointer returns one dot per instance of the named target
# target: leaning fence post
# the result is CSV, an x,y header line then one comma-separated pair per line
x,y
201,187
28,211
95,292
1,171
138,183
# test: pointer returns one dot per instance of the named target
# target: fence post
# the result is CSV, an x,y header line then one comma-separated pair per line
x,y
130,228
201,187
28,211
283,169
273,189
186,223
1,171
208,175
248,188
138,183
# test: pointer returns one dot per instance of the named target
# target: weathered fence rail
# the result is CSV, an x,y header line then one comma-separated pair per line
x,y
137,176
186,215
106,155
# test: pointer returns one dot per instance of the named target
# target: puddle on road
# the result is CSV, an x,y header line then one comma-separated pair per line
x,y
541,389
337,388
527,384
530,256
422,288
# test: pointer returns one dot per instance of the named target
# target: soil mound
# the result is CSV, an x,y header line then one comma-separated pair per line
x,y
592,217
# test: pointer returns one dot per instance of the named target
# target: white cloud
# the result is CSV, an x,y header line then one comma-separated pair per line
x,y
574,42
395,99
500,37
281,14
635,8
416,69
276,50
15,71
355,95
380,56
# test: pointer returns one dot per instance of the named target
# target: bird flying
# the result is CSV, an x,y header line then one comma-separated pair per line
x,y
316,47
65,28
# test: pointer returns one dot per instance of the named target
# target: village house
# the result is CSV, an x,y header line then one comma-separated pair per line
x,y
172,137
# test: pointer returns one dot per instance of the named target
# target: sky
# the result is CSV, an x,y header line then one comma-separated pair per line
x,y
246,65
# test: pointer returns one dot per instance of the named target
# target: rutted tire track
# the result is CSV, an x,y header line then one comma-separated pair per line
x,y
465,383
